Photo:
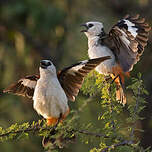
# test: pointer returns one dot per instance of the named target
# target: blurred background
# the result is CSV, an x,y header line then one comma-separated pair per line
x,y
31,30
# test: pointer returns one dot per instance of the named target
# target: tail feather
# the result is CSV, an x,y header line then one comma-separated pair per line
x,y
120,96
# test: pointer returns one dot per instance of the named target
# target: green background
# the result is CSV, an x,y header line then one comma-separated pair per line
x,y
31,30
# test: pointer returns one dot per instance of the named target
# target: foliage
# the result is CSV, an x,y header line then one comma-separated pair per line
x,y
111,136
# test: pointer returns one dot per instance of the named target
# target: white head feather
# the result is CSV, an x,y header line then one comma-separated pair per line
x,y
94,29
47,67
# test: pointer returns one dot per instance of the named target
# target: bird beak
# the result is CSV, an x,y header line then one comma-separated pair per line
x,y
43,64
84,25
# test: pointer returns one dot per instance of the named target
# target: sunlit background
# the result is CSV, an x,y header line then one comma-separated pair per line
x,y
31,30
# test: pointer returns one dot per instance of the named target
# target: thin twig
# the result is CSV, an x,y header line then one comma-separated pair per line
x,y
39,128
126,142
33,129
91,133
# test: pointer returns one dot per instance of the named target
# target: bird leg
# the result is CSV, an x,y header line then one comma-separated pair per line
x,y
121,90
114,78
121,83
58,121
51,121
46,139
120,87
54,121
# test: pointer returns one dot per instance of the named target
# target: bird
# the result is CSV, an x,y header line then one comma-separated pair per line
x,y
51,90
124,43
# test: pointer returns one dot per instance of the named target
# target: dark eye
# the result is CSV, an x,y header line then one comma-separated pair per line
x,y
49,63
90,25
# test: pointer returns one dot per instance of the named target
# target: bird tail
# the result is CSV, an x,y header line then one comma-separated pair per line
x,y
120,95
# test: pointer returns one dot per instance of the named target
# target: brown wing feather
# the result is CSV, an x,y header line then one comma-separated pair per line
x,y
71,78
127,40
24,87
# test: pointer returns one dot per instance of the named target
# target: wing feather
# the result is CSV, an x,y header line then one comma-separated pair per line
x,y
24,87
127,39
71,78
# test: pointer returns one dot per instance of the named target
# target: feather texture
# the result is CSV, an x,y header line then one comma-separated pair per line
x,y
127,40
71,78
24,87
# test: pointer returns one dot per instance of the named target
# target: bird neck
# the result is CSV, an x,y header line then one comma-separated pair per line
x,y
46,74
93,40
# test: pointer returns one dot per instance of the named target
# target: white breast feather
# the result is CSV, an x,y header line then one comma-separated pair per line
x,y
96,51
49,98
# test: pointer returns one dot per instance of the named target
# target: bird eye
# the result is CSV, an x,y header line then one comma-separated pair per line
x,y
49,63
90,25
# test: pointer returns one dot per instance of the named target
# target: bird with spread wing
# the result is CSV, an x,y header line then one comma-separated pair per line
x,y
51,91
124,43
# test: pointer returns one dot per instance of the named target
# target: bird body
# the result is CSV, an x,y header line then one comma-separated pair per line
x,y
49,97
95,50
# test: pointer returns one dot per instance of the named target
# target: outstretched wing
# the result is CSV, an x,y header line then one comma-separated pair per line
x,y
127,40
71,78
24,87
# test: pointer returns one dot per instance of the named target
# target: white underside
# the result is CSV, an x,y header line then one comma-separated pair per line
x,y
96,51
49,98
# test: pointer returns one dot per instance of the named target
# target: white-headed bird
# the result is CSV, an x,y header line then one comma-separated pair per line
x,y
124,43
51,90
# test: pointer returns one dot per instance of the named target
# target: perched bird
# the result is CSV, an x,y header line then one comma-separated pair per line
x,y
125,44
51,91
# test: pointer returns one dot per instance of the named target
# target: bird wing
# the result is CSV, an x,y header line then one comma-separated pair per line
x,y
24,87
127,40
71,78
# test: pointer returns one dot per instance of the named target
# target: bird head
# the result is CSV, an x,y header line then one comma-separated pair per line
x,y
93,29
46,66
